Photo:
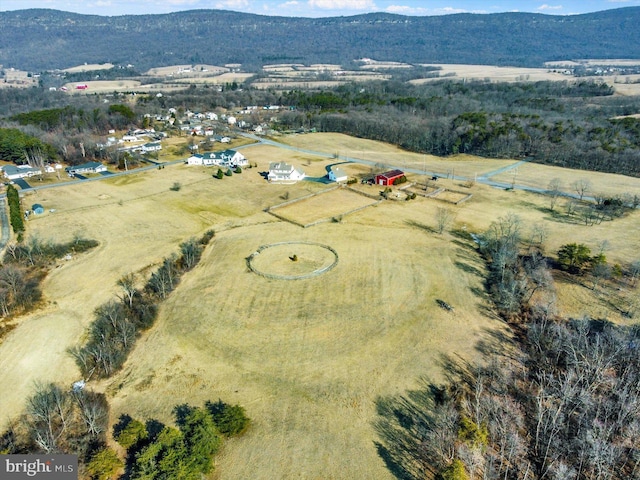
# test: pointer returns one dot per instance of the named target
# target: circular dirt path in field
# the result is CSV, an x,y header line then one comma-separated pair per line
x,y
292,260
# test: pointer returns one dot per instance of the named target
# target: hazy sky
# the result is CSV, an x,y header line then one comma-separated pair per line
x,y
321,8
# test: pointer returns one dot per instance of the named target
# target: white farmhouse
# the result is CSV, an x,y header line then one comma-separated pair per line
x,y
284,173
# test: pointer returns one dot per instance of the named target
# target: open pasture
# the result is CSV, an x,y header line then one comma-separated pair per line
x,y
186,70
493,74
539,176
385,156
451,196
227,77
332,203
535,175
103,86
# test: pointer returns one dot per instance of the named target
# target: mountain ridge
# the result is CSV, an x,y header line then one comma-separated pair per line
x,y
39,39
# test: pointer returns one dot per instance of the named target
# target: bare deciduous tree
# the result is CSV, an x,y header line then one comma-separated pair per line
x,y
554,190
581,187
128,285
444,218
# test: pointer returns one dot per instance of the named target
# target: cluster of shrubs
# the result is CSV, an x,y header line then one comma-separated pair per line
x,y
220,174
159,451
119,322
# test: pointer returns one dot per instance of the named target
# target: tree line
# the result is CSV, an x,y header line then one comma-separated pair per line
x,y
119,322
49,39
186,452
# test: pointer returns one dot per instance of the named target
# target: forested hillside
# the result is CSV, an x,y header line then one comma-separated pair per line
x,y
41,39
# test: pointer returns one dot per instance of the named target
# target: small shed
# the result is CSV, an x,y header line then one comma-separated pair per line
x,y
37,209
389,178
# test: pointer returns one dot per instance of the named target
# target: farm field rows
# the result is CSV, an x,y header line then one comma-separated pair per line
x,y
307,358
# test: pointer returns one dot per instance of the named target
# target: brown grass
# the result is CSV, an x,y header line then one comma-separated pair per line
x,y
325,205
535,175
89,67
307,358
494,74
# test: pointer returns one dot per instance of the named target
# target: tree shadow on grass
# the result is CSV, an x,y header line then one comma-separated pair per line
x,y
494,342
421,226
465,267
401,425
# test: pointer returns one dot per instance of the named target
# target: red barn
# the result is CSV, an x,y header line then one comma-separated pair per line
x,y
388,178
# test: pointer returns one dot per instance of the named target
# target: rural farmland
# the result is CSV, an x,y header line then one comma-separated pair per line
x,y
309,358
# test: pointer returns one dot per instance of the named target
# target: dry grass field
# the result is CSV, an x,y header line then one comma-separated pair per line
x,y
391,156
227,77
494,74
535,175
103,86
186,70
89,67
323,206
306,358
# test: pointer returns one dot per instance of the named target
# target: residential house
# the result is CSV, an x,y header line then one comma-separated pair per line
x,y
283,172
89,167
336,174
151,147
13,172
227,158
